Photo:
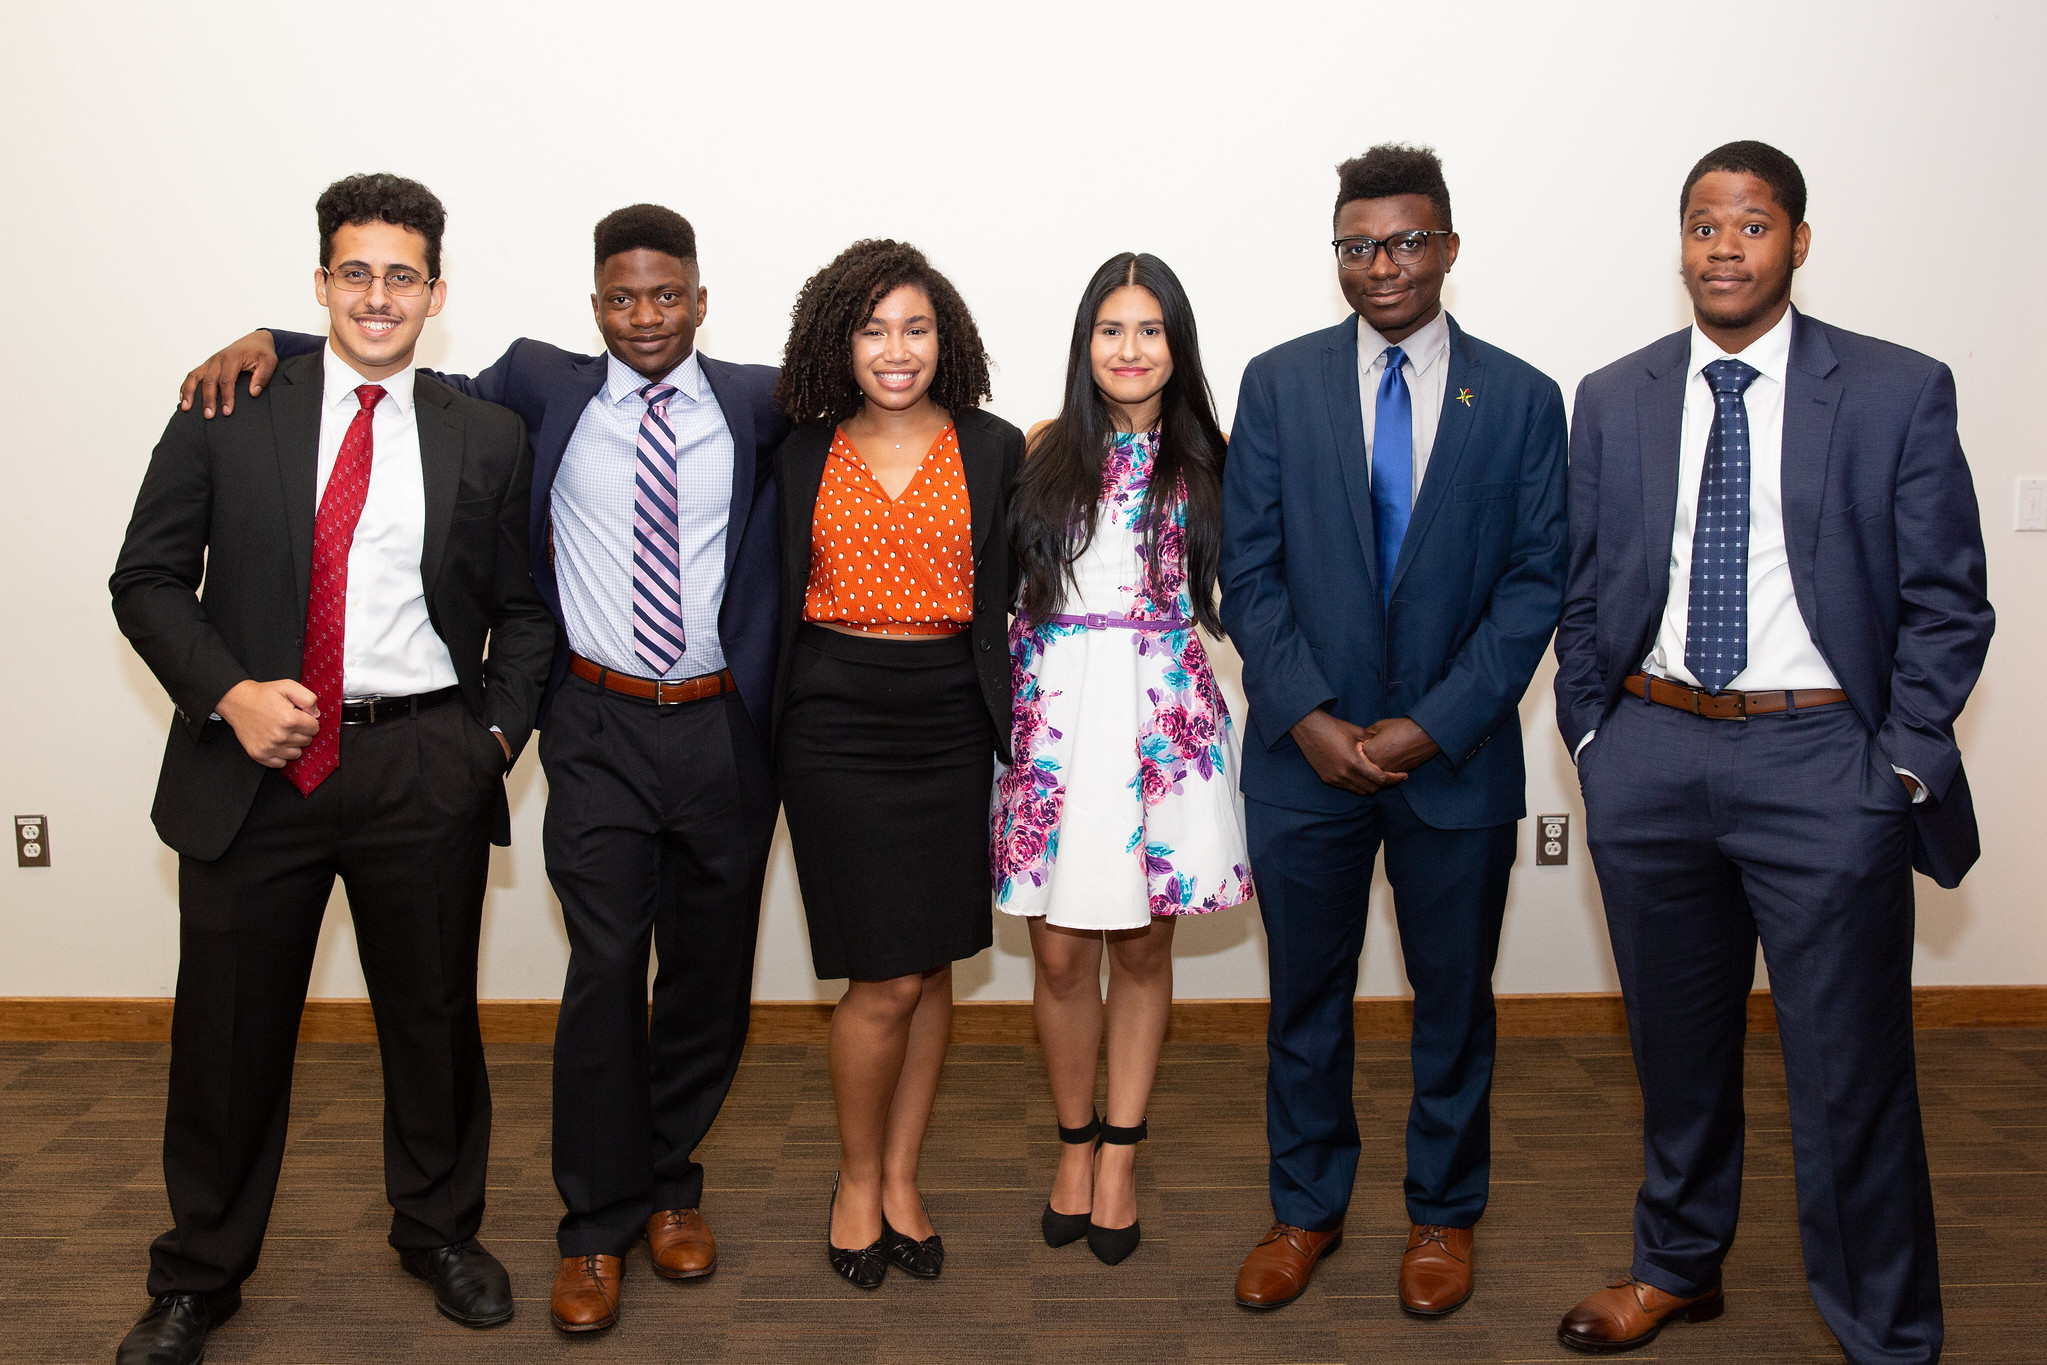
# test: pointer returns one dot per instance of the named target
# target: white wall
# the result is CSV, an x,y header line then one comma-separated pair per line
x,y
162,161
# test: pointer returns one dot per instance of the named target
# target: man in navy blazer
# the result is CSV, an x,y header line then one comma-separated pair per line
x,y
1776,611
1393,561
661,800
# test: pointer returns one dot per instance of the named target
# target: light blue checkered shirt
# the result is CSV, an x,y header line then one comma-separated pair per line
x,y
592,509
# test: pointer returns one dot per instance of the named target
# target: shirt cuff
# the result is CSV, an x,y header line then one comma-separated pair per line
x,y
1581,746
1918,787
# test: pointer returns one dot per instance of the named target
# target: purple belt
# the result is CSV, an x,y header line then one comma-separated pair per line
x,y
1098,621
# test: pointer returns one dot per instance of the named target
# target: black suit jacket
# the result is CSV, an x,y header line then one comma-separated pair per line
x,y
214,576
1880,525
990,451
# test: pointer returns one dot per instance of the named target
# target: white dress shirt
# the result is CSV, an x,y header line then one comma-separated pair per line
x,y
592,510
389,645
1427,365
1781,654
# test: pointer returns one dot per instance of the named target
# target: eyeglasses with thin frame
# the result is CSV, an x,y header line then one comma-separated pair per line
x,y
356,279
1406,248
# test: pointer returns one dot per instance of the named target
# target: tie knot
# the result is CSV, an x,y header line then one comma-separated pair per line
x,y
657,394
369,395
1394,357
1731,376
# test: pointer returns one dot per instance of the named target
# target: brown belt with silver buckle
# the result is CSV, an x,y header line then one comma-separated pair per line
x,y
1729,705
656,690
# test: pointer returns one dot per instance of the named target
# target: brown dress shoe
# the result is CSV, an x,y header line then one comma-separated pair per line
x,y
585,1295
1435,1273
1628,1313
681,1245
1277,1270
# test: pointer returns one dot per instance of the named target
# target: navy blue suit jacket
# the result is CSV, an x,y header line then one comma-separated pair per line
x,y
549,388
1475,592
1880,524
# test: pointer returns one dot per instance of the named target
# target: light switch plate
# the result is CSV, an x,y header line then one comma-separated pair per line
x,y
2029,512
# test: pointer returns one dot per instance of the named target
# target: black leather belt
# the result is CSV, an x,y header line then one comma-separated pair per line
x,y
372,710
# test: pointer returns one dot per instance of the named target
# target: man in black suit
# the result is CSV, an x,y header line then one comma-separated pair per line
x,y
1776,611
316,581
661,803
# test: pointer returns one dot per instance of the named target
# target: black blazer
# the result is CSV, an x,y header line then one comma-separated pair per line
x,y
990,451
214,576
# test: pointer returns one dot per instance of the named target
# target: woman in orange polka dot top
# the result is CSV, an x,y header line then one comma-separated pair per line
x,y
893,702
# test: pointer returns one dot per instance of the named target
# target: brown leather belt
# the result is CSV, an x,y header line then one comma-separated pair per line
x,y
656,690
1729,705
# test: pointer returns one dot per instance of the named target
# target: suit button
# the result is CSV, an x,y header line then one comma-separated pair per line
x,y
986,646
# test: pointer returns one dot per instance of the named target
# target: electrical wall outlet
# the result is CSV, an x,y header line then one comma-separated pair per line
x,y
31,841
2029,511
1552,840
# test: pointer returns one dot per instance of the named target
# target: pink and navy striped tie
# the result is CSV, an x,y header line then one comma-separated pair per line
x,y
657,573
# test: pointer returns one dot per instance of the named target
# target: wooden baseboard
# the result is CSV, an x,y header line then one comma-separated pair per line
x,y
98,1019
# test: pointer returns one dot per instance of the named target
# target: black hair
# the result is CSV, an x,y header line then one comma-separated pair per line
x,y
817,383
1394,168
382,198
1759,159
644,227
1058,491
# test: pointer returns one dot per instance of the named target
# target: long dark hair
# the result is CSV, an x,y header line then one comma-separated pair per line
x,y
817,383
1052,510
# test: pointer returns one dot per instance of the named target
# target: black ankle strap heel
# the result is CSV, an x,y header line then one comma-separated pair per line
x,y
1062,1228
1111,1245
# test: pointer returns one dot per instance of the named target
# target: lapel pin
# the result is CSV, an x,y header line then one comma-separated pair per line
x,y
1464,396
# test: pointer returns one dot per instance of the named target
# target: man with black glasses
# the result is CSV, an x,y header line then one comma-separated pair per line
x,y
1393,561
332,586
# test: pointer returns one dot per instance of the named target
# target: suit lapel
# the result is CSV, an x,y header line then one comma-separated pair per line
x,y
1659,428
440,465
295,427
983,466
1347,432
1810,402
745,459
1453,431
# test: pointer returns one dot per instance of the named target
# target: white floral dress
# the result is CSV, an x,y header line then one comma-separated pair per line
x,y
1123,801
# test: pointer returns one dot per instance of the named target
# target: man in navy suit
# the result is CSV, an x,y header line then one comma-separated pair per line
x,y
1393,564
1776,612
654,541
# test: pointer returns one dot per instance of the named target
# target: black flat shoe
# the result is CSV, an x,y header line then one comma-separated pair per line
x,y
923,1259
1062,1228
865,1268
1111,1245
173,1330
470,1286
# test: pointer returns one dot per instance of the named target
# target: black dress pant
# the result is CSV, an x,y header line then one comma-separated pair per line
x,y
405,823
1791,828
659,820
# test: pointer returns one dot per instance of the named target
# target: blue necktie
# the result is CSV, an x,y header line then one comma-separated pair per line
x,y
1716,623
1392,468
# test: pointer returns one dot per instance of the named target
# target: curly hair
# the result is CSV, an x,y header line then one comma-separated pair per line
x,y
1394,168
381,198
1759,159
817,383
644,226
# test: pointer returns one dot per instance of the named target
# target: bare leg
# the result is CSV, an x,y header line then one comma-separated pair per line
x,y
1068,1001
909,1113
1140,1001
870,1035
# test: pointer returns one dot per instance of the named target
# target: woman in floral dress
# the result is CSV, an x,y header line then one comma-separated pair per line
x,y
1120,812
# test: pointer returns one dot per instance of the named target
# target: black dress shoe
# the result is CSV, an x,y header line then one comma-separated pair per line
x,y
863,1267
173,1331
923,1259
470,1287
1061,1228
1112,1246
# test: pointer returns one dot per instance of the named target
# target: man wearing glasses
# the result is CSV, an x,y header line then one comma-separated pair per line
x,y
653,540
1393,566
364,663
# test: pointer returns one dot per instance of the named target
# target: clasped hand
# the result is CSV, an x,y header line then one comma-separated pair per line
x,y
275,721
1362,759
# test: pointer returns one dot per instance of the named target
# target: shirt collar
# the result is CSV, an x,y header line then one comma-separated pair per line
x,y
1422,348
339,381
622,381
1769,354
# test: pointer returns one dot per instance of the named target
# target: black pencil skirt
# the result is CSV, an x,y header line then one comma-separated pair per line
x,y
887,756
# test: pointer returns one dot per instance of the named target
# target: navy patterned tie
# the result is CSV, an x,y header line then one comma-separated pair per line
x,y
1716,626
657,567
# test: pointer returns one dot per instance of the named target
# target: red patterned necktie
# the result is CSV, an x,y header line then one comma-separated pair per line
x,y
348,486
